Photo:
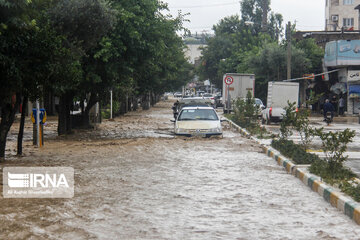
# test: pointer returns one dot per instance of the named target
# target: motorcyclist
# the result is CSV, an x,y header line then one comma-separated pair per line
x,y
175,108
328,107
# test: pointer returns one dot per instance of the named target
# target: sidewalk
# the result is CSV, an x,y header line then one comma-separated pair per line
x,y
316,117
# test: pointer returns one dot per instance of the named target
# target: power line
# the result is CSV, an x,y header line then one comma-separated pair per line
x,y
208,5
319,74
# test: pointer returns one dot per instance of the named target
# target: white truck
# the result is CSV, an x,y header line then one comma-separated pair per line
x,y
278,96
236,85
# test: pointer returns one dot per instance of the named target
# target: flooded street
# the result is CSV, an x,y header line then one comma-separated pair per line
x,y
135,180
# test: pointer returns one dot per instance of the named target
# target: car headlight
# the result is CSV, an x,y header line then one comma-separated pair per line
x,y
215,130
181,130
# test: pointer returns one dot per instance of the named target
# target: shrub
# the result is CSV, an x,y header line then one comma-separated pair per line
x,y
105,114
288,121
245,112
291,150
246,116
334,145
351,189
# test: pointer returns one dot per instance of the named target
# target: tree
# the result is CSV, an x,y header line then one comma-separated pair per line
x,y
313,52
83,23
237,39
256,12
270,65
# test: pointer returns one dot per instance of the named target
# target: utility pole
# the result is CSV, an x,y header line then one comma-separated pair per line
x,y
265,9
38,123
288,38
111,103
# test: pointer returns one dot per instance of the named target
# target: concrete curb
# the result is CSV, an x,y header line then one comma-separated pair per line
x,y
337,199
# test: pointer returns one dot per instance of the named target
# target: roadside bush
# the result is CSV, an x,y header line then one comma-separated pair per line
x,y
334,145
246,116
105,114
351,189
245,112
323,169
288,121
291,150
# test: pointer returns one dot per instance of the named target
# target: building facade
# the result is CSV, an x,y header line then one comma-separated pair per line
x,y
341,14
344,56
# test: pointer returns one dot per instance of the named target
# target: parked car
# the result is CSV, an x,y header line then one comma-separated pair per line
x,y
178,94
198,121
200,93
260,106
210,97
218,101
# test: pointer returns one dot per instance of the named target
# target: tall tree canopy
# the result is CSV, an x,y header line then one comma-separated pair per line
x,y
80,48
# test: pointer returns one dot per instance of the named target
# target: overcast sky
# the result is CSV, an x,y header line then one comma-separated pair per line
x,y
308,14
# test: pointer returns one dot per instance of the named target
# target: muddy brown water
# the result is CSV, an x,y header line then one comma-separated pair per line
x,y
134,180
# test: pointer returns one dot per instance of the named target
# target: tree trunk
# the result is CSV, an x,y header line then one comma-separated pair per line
x,y
135,103
145,101
129,101
22,124
85,119
8,112
152,99
64,121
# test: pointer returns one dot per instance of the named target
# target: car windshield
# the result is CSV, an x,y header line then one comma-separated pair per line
x,y
207,95
197,114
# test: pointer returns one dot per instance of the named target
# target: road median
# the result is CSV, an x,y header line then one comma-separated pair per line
x,y
330,194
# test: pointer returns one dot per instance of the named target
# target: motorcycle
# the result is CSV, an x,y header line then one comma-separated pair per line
x,y
329,118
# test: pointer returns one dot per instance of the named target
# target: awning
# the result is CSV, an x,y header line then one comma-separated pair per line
x,y
354,91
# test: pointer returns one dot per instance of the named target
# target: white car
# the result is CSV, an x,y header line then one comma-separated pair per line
x,y
198,121
210,97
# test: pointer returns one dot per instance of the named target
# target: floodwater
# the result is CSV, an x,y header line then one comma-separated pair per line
x,y
134,180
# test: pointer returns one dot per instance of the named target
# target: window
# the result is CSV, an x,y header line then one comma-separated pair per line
x,y
197,114
348,22
334,2
348,2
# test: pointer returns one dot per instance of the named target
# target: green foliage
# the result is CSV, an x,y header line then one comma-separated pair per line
x,y
105,114
227,52
334,145
351,188
288,121
299,121
82,48
325,170
252,12
269,64
246,116
291,150
246,111
313,52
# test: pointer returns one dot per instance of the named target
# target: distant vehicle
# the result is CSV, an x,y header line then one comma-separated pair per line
x,y
178,94
279,94
259,104
210,97
190,101
218,100
198,121
200,93
241,84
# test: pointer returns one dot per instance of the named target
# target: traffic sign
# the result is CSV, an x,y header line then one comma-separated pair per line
x,y
228,80
42,115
